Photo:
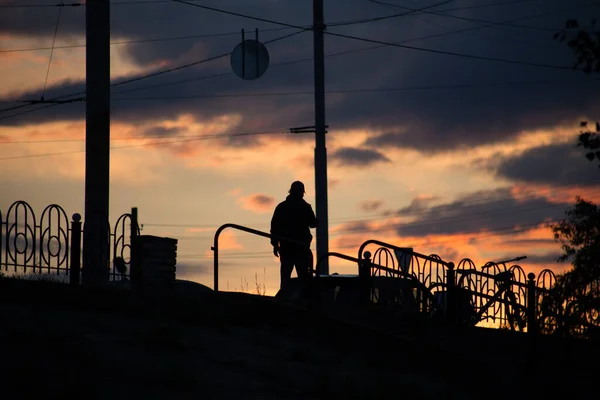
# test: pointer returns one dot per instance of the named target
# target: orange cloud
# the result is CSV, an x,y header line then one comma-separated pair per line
x,y
259,203
480,247
228,241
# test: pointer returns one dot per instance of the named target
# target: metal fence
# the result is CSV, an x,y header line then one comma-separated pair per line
x,y
51,244
497,294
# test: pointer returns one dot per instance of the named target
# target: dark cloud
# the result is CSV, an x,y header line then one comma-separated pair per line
x,y
353,157
557,164
191,270
417,205
161,131
257,202
431,117
495,211
263,199
542,259
531,242
370,205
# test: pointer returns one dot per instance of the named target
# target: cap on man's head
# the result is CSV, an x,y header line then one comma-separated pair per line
x,y
297,188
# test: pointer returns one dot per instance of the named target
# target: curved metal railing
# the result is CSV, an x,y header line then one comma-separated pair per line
x,y
215,246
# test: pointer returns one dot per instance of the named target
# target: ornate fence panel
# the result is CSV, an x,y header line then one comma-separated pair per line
x,y
430,271
34,248
121,247
498,293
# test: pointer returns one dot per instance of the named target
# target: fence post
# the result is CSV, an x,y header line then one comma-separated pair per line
x,y
75,266
364,277
532,326
451,304
134,244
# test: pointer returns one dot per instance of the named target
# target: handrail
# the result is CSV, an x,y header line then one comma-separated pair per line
x,y
413,253
215,246
339,255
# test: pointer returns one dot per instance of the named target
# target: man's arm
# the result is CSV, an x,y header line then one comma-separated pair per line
x,y
275,226
312,219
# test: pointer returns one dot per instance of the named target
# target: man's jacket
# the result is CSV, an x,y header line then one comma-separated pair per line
x,y
292,219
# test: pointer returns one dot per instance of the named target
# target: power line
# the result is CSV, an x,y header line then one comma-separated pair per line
x,y
386,43
496,232
472,28
382,44
134,41
53,103
489,23
341,23
450,53
367,90
334,54
139,78
112,138
203,137
51,53
533,194
451,219
169,70
60,5
223,74
385,17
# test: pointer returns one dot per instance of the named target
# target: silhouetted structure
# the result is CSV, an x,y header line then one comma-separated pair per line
x,y
293,219
50,243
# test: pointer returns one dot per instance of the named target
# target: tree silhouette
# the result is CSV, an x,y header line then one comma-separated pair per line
x,y
585,44
590,140
573,304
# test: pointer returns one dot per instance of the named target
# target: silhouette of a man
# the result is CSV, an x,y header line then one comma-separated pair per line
x,y
293,219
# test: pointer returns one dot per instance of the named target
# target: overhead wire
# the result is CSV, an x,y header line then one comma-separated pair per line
x,y
386,17
28,103
136,41
334,54
489,23
454,219
174,141
365,90
495,232
339,23
385,43
192,64
382,44
60,5
483,202
51,53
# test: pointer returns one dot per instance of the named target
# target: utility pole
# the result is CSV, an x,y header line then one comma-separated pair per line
x,y
320,145
97,142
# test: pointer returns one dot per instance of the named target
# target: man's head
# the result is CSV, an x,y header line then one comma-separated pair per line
x,y
297,189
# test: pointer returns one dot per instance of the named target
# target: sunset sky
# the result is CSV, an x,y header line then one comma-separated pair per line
x,y
462,145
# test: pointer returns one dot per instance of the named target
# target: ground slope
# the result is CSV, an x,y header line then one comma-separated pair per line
x,y
188,342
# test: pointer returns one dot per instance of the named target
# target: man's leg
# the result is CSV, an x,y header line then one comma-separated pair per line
x,y
303,263
287,265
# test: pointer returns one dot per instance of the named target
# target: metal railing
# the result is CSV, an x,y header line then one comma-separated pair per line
x,y
215,246
496,291
52,244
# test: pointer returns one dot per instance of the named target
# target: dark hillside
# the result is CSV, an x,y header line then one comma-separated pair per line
x,y
188,342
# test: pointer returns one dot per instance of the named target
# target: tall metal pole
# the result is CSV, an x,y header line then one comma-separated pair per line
x,y
97,142
320,147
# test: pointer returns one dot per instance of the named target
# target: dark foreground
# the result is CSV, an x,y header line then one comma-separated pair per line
x,y
190,343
